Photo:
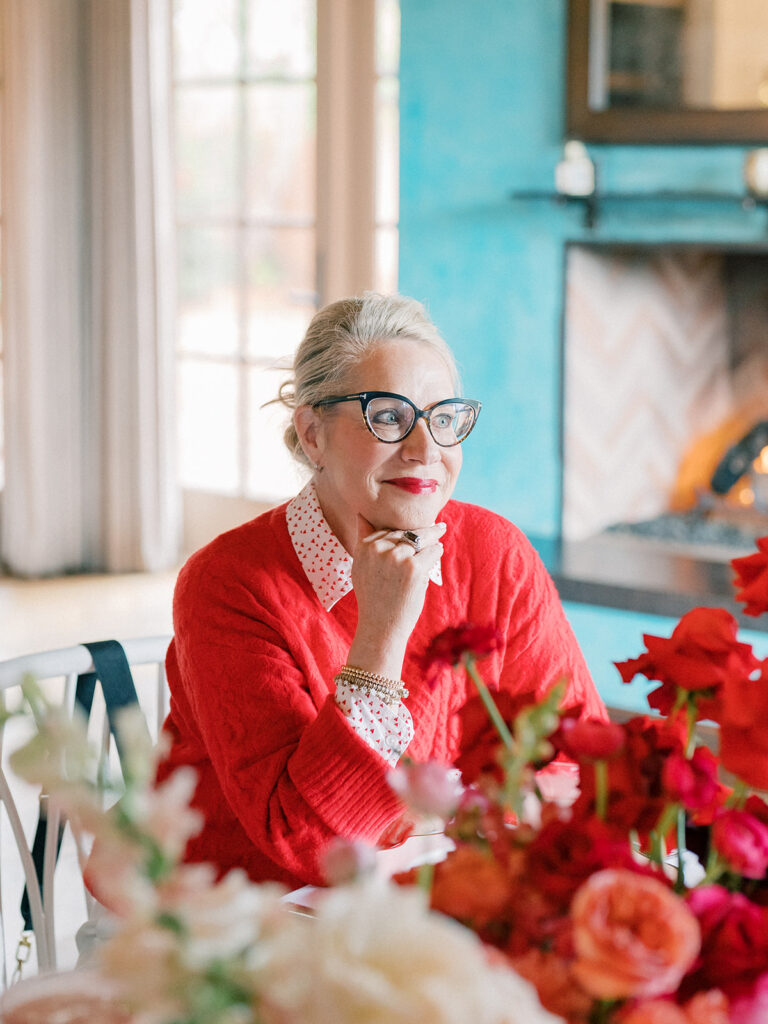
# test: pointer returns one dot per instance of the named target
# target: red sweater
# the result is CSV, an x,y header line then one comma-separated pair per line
x,y
251,673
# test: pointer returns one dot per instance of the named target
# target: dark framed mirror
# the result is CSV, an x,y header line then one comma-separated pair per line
x,y
668,71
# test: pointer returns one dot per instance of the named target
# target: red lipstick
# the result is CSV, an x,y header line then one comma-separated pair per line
x,y
414,484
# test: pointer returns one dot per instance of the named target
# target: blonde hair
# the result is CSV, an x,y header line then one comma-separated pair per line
x,y
340,335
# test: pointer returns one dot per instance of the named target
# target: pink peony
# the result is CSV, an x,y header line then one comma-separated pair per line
x,y
632,936
734,941
742,841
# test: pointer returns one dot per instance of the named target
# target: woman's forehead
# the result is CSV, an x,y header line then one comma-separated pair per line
x,y
404,366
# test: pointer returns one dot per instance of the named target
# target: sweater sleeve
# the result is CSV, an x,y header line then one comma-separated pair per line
x,y
293,774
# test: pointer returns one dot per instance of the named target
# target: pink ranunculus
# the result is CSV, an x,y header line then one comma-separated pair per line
x,y
742,841
752,1008
428,788
752,576
693,781
734,941
632,936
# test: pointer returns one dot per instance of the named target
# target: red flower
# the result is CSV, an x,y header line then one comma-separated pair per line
x,y
588,739
734,947
456,644
752,576
693,782
565,854
744,728
703,653
742,841
636,793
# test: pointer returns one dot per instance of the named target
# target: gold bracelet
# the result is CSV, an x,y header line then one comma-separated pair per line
x,y
390,690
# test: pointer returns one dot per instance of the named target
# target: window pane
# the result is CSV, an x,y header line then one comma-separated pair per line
x,y
209,426
281,295
387,151
281,37
205,39
208,300
273,474
206,147
281,150
387,37
385,260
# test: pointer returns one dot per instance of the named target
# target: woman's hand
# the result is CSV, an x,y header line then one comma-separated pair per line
x,y
390,579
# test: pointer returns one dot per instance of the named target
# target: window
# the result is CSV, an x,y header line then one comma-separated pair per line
x,y
246,95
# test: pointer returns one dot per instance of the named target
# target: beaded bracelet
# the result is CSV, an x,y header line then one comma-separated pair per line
x,y
389,690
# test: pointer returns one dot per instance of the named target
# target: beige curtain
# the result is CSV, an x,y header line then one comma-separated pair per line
x,y
88,290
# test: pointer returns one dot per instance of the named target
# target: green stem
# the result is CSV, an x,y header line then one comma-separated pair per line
x,y
691,712
601,789
680,880
425,876
490,704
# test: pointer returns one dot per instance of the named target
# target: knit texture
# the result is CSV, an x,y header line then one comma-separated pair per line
x,y
251,673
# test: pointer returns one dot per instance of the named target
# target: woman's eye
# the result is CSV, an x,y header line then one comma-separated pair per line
x,y
442,421
388,417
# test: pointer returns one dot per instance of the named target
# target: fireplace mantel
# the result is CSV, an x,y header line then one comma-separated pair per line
x,y
615,573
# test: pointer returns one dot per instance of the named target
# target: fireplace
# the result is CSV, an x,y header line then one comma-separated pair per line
x,y
665,385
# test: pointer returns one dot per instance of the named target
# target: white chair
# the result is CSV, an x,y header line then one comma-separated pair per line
x,y
56,672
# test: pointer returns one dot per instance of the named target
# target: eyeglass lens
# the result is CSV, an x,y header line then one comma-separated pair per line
x,y
390,419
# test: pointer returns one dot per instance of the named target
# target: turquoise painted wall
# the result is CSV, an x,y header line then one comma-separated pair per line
x,y
482,87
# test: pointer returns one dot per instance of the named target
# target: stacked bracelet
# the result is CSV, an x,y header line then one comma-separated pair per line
x,y
389,690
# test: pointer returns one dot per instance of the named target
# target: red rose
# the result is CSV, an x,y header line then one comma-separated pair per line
x,y
588,739
742,841
702,654
564,854
752,576
734,947
693,782
744,728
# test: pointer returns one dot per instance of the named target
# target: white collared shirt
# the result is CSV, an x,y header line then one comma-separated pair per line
x,y
387,728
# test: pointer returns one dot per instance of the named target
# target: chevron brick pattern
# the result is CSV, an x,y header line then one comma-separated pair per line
x,y
646,370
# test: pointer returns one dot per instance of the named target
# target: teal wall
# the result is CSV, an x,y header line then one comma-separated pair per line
x,y
482,85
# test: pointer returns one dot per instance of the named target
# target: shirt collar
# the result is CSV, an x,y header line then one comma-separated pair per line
x,y
325,561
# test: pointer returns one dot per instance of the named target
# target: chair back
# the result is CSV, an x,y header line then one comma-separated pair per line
x,y
56,910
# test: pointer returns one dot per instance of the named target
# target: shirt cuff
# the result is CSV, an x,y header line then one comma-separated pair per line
x,y
386,728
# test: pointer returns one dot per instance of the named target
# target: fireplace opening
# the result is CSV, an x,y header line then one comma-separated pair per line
x,y
665,396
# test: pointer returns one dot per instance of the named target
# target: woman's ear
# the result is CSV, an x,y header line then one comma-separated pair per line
x,y
309,426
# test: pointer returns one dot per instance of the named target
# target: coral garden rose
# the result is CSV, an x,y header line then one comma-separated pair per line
x,y
742,841
701,655
473,886
752,577
632,936
744,728
704,1008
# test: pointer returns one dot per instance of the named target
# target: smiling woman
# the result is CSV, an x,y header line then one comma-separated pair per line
x,y
299,635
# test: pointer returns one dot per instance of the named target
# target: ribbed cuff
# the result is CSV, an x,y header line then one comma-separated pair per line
x,y
342,778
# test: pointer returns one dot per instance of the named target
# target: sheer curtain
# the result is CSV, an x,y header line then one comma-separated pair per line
x,y
88,287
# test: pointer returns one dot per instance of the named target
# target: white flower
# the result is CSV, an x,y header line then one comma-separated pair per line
x,y
374,954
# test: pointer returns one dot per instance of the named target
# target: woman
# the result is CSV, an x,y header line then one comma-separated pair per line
x,y
294,670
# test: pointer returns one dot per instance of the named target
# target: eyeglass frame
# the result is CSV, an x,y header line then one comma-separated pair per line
x,y
366,397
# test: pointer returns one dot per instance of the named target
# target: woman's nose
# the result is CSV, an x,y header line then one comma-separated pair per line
x,y
420,445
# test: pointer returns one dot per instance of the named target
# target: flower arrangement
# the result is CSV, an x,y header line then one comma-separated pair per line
x,y
629,890
641,898
188,948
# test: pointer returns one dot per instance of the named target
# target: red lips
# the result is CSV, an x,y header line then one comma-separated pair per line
x,y
414,484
